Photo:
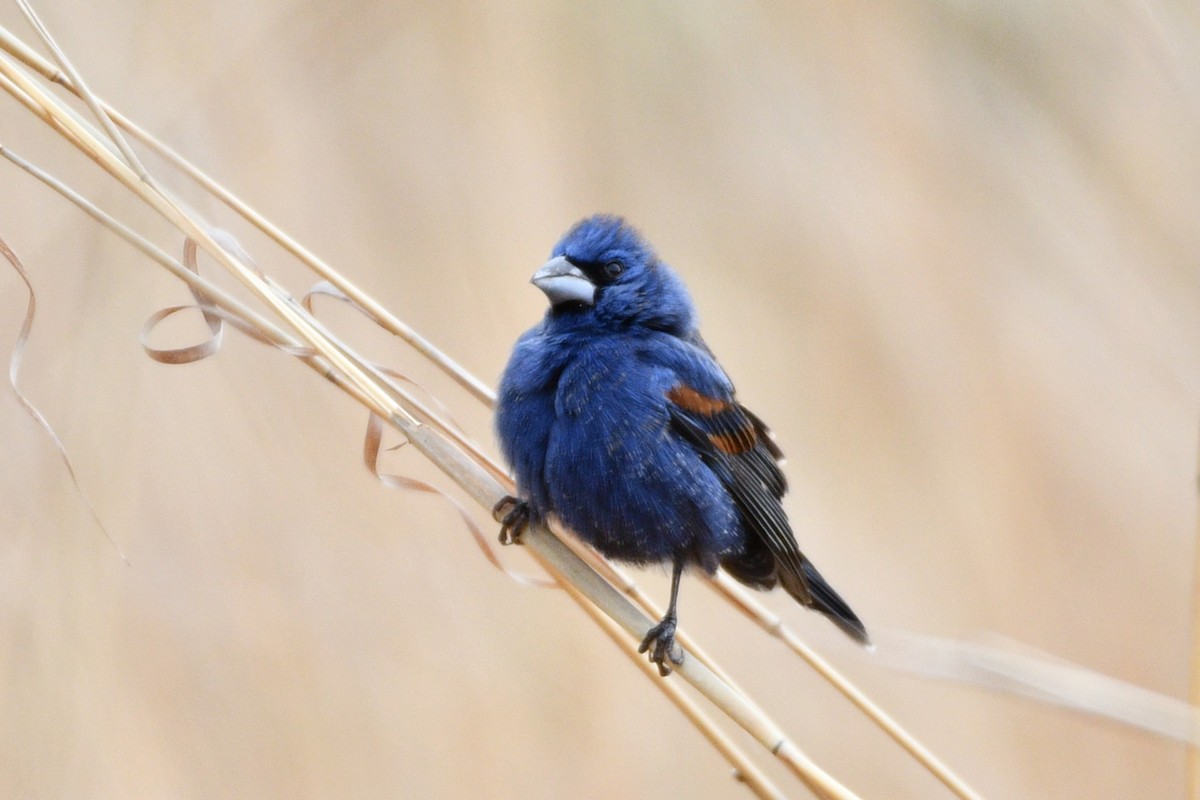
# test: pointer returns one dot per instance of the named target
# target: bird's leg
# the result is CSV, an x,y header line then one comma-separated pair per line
x,y
513,515
660,640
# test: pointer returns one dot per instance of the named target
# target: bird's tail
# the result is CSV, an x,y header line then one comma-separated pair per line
x,y
816,593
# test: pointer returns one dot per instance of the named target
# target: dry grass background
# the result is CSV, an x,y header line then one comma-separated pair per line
x,y
947,250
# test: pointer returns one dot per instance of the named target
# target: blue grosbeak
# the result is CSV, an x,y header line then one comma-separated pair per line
x,y
617,420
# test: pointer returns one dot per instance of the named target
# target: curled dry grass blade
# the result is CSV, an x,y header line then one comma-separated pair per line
x,y
14,372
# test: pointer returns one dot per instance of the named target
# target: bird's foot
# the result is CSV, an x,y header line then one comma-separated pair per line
x,y
513,515
660,641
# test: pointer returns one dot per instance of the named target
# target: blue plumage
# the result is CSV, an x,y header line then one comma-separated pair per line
x,y
617,420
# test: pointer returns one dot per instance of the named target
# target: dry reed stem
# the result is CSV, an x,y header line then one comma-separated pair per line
x,y
619,579
745,602
235,311
381,315
773,625
197,282
743,769
47,109
1193,756
90,99
470,475
1002,665
544,543
364,302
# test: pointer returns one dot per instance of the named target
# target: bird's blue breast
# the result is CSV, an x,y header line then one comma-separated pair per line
x,y
525,411
584,422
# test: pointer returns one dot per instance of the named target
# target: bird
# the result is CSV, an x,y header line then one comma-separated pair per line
x,y
619,424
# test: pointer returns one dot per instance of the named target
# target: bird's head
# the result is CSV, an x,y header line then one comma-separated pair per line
x,y
603,268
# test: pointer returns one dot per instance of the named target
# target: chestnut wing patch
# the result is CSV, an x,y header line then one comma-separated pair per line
x,y
724,422
690,400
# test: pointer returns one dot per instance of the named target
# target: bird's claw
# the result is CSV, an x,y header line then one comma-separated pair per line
x,y
513,515
660,641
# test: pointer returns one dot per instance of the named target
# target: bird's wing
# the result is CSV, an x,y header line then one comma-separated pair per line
x,y
736,445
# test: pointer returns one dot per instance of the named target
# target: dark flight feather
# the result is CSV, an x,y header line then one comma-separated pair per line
x,y
736,445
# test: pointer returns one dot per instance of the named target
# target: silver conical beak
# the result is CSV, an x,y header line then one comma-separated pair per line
x,y
563,282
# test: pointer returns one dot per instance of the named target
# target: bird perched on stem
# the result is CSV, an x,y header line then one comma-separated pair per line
x,y
618,421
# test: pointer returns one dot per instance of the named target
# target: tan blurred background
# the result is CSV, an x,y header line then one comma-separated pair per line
x,y
949,251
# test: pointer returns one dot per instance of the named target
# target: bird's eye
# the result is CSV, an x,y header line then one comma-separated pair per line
x,y
613,269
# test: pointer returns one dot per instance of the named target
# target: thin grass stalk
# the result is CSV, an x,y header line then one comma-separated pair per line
x,y
84,93
238,313
411,401
419,408
1193,753
621,580
470,475
77,128
382,403
744,770
626,585
745,602
383,317
584,579
629,588
197,282
73,127
772,624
